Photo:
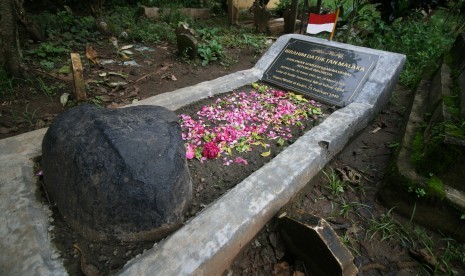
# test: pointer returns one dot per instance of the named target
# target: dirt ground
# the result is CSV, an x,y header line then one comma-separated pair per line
x,y
34,102
28,107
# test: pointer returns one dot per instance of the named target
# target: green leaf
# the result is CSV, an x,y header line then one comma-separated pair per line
x,y
198,153
316,111
47,64
65,69
266,153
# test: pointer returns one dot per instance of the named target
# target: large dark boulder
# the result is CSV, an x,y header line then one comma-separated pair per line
x,y
118,174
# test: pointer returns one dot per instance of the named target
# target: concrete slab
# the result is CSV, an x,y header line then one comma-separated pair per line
x,y
207,244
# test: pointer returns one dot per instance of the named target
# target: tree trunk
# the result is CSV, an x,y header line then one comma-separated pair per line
x,y
10,58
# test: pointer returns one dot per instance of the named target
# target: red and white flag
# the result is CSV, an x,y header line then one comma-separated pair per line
x,y
318,23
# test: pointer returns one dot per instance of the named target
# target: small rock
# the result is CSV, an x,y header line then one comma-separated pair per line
x,y
256,244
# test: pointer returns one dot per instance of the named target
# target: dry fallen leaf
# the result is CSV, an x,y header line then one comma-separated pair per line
x,y
92,54
116,83
114,41
64,99
125,47
375,130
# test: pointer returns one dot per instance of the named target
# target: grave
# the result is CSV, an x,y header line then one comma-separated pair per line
x,y
431,158
209,242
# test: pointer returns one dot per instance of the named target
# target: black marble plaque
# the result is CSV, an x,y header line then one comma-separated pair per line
x,y
328,74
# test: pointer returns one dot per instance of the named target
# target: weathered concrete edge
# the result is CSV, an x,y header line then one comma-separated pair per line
x,y
26,244
184,96
208,244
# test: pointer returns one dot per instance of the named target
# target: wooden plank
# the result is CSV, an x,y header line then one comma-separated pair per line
x,y
79,87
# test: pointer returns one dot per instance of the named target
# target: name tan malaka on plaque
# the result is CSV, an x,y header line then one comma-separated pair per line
x,y
329,74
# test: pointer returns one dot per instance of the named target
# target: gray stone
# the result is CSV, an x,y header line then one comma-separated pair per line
x,y
312,240
118,174
187,44
186,40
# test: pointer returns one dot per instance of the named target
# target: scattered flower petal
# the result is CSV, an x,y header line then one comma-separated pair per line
x,y
244,121
241,160
190,151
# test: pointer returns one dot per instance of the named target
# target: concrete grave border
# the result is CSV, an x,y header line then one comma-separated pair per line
x,y
208,243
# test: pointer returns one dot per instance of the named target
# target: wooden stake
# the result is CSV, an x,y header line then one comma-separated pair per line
x,y
334,28
79,87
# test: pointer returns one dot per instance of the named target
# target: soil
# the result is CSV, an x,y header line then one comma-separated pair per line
x,y
27,107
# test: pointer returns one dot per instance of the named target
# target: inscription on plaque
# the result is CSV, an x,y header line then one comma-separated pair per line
x,y
329,74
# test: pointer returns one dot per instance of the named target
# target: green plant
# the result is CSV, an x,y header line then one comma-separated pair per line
x,y
141,28
359,18
436,187
283,5
448,255
28,116
257,43
49,53
417,148
96,100
455,16
335,184
6,84
346,207
210,48
210,52
422,42
386,227
419,191
241,38
453,252
72,30
207,34
393,144
48,91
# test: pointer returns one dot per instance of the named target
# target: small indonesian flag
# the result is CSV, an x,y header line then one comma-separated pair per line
x,y
321,23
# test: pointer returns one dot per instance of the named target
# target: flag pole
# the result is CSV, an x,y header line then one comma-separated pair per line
x,y
334,28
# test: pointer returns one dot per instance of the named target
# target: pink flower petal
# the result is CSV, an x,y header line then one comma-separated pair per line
x,y
241,160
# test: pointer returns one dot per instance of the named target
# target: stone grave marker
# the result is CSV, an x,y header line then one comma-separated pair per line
x,y
329,74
